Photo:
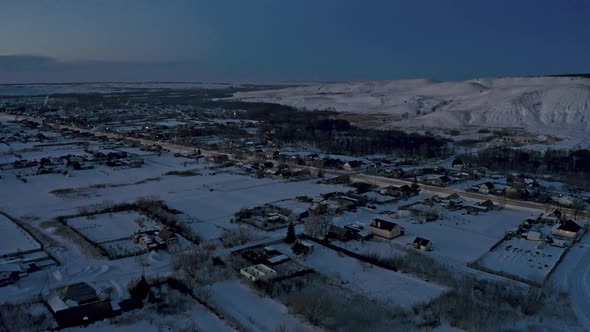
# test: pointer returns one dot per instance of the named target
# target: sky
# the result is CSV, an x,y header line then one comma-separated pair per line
x,y
290,40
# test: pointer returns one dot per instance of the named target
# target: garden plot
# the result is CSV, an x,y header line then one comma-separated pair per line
x,y
529,260
14,239
107,227
386,285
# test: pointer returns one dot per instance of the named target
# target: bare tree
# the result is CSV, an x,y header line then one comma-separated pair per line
x,y
317,226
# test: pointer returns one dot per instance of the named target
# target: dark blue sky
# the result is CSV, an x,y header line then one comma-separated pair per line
x,y
219,40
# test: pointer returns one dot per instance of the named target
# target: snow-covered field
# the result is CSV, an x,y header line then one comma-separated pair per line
x,y
535,103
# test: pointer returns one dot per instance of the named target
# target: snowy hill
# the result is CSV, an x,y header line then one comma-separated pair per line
x,y
535,103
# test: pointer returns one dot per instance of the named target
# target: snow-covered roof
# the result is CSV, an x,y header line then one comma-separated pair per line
x,y
56,303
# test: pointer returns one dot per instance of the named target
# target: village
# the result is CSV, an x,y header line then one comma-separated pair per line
x,y
106,219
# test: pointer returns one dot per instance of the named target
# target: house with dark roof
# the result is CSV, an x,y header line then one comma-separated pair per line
x,y
486,188
340,233
543,198
567,228
386,229
78,304
422,244
170,239
302,247
488,204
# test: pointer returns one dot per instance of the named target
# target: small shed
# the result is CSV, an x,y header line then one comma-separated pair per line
x,y
422,244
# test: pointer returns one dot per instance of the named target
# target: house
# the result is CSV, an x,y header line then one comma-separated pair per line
x,y
516,193
253,256
533,236
221,158
148,240
272,154
271,251
543,198
519,182
397,172
352,165
454,201
343,203
278,259
488,204
475,209
302,248
78,304
259,272
10,273
422,244
445,180
340,233
359,230
567,228
554,216
170,239
486,188
386,229
457,163
441,181
8,277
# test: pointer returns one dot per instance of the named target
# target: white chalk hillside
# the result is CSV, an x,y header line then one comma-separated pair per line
x,y
535,103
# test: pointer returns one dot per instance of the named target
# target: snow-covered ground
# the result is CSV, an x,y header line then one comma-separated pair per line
x,y
530,260
573,276
14,239
539,104
109,226
255,312
458,238
386,285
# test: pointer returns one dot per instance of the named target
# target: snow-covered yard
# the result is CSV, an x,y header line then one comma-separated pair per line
x,y
14,239
530,260
107,227
390,286
457,237
253,311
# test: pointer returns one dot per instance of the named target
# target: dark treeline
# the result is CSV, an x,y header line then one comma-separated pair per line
x,y
322,130
555,162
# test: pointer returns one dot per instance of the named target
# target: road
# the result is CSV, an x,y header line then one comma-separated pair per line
x,y
355,176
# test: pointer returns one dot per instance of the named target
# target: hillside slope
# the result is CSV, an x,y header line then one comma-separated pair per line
x,y
534,103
